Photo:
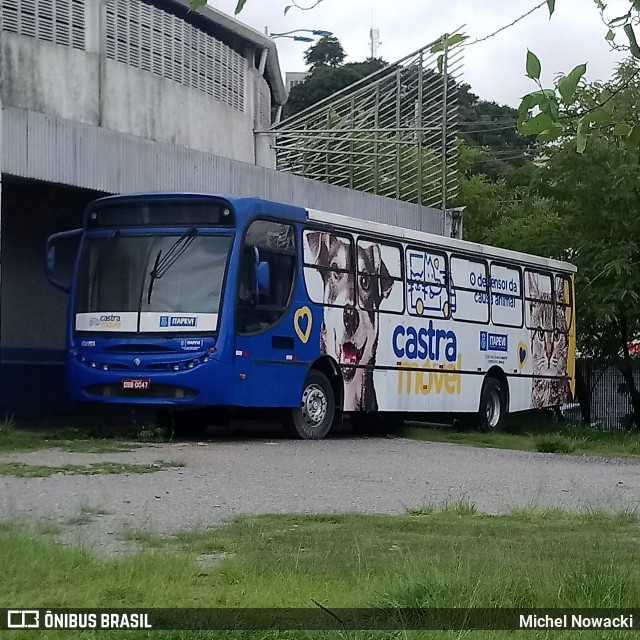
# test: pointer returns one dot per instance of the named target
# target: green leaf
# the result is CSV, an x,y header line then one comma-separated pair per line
x,y
194,5
622,129
581,135
550,107
533,66
599,116
610,36
438,45
552,6
536,125
633,43
240,6
526,104
633,139
568,84
551,134
447,41
455,39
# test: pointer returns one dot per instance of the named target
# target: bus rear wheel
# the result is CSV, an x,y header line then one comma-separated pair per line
x,y
493,405
312,420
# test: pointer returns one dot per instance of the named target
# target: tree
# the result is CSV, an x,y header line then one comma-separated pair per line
x,y
582,208
324,81
327,51
492,126
549,112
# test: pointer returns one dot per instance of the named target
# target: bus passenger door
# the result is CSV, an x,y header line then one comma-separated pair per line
x,y
265,343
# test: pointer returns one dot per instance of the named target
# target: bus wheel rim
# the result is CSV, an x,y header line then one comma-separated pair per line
x,y
493,408
314,405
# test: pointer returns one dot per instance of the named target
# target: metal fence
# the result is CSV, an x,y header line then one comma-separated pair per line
x,y
392,133
603,397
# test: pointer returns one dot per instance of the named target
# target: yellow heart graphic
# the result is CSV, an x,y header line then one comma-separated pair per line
x,y
303,314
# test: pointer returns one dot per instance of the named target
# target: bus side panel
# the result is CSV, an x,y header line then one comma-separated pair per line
x,y
427,364
571,356
274,376
276,362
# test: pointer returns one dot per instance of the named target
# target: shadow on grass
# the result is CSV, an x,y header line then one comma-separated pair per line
x,y
532,433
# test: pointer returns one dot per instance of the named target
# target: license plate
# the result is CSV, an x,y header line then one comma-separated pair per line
x,y
137,384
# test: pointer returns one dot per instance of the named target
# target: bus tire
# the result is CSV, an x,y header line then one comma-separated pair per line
x,y
313,419
493,405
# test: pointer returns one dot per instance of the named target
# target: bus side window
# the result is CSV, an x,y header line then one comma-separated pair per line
x,y
328,268
538,300
469,290
506,296
266,275
379,277
426,275
563,307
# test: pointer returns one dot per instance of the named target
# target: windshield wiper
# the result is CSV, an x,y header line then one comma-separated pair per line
x,y
162,264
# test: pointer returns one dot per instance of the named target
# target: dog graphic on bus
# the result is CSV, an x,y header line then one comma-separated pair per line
x,y
351,300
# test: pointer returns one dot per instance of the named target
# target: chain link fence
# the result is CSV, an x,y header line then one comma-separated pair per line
x,y
603,396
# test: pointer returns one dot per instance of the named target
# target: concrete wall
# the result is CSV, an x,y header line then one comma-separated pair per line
x,y
67,83
144,105
51,79
54,150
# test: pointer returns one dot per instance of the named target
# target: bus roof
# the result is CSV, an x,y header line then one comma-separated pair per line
x,y
407,235
246,207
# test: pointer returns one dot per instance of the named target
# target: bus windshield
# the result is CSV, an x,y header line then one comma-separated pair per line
x,y
150,283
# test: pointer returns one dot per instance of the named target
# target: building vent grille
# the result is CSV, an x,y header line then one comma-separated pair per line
x,y
59,21
142,36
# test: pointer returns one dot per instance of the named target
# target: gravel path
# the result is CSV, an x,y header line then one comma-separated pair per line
x,y
226,478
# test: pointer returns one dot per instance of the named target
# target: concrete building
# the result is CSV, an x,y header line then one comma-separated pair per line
x,y
111,96
293,78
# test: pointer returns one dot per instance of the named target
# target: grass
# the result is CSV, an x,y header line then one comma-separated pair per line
x,y
454,557
22,470
544,437
74,439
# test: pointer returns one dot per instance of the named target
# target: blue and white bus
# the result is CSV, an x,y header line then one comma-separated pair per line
x,y
191,301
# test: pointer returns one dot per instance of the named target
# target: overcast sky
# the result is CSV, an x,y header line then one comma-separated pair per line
x,y
494,69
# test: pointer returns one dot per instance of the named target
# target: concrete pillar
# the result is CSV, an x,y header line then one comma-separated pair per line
x,y
92,25
265,155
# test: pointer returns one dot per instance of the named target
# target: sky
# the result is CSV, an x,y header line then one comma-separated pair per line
x,y
495,69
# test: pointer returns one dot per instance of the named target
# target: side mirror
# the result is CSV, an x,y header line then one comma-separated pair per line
x,y
263,277
62,250
262,274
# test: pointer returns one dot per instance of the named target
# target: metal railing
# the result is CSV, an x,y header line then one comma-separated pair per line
x,y
392,133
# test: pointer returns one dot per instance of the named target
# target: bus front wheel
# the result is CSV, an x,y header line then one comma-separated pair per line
x,y
312,420
493,405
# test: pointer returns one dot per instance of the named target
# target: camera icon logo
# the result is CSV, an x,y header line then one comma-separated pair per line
x,y
23,619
